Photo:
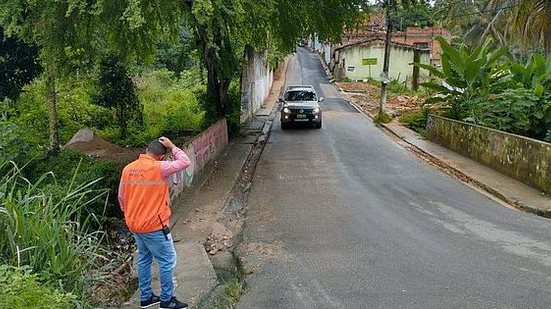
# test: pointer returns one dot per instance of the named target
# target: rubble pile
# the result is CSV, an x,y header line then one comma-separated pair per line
x,y
219,239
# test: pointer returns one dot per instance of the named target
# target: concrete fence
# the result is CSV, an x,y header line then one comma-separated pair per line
x,y
525,159
256,82
201,150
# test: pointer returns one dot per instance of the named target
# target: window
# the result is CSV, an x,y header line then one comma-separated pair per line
x,y
300,95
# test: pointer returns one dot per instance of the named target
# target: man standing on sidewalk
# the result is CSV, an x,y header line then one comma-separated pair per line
x,y
143,197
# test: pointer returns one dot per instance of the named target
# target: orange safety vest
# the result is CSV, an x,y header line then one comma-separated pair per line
x,y
145,195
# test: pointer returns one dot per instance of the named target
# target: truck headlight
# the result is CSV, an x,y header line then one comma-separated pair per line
x,y
286,110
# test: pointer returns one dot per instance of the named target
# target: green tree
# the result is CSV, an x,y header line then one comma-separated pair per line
x,y
51,26
417,16
19,65
522,23
224,28
83,28
117,91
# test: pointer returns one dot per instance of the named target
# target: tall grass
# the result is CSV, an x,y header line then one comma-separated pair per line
x,y
43,228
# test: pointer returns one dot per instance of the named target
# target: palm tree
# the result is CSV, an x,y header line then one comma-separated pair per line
x,y
523,22
533,21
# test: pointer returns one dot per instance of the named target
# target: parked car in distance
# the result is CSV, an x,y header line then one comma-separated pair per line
x,y
300,104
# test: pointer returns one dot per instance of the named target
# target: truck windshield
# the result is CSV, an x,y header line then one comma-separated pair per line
x,y
300,95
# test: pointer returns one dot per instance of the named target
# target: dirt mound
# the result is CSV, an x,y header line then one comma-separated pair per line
x,y
87,142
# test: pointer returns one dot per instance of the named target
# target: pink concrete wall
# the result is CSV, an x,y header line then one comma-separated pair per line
x,y
201,149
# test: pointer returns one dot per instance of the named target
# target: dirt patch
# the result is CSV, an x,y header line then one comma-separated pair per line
x,y
367,96
253,255
87,142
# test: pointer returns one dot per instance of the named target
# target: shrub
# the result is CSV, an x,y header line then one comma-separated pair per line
x,y
518,111
117,91
416,120
42,230
382,118
465,75
168,106
399,88
19,288
234,109
12,146
75,110
72,166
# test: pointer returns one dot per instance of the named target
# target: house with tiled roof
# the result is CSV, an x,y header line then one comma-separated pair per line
x,y
360,55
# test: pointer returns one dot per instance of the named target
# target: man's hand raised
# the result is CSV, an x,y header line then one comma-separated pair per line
x,y
166,142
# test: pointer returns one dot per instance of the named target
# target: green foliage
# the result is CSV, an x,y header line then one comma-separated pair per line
x,y
467,74
234,114
169,108
416,120
512,96
518,111
12,146
19,288
177,57
399,88
42,230
415,16
116,90
382,118
75,109
18,66
535,74
71,166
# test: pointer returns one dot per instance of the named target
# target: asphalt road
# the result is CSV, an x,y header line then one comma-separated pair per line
x,y
343,217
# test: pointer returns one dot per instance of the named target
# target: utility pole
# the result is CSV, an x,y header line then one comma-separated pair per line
x,y
386,63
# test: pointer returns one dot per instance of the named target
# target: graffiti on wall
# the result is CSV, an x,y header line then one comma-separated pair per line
x,y
200,151
184,178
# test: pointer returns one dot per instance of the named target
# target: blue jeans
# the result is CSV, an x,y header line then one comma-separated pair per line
x,y
155,245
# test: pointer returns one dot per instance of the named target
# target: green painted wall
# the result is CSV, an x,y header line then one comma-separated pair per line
x,y
519,157
400,59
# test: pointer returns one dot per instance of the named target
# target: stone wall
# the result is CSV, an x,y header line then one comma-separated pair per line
x,y
201,150
519,157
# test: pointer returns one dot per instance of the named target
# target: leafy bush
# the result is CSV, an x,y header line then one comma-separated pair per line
x,y
168,106
397,87
75,110
465,75
117,91
535,74
12,146
382,118
416,120
234,107
19,288
104,173
518,111
42,230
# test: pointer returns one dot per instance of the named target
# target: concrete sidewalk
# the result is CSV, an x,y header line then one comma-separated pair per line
x,y
507,189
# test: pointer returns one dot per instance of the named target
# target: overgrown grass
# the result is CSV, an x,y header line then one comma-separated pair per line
x,y
416,120
168,105
43,228
227,294
382,118
19,288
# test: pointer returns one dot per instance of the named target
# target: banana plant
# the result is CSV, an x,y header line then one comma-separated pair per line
x,y
535,74
465,74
